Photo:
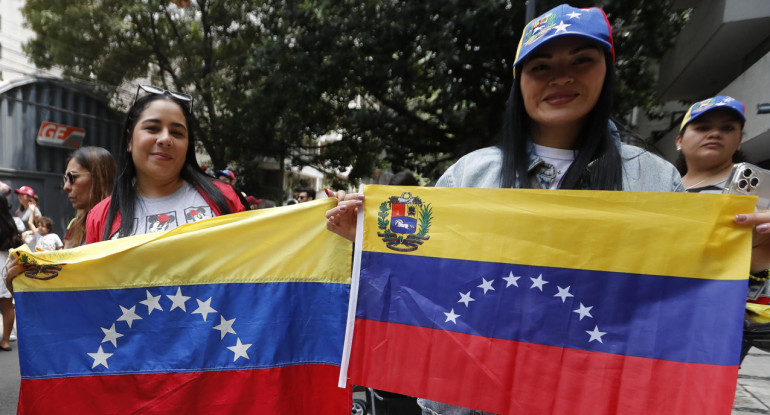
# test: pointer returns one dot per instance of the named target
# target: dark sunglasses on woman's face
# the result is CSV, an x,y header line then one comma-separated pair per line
x,y
69,177
160,91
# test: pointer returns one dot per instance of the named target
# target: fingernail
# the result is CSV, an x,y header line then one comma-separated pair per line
x,y
740,218
328,192
343,208
763,227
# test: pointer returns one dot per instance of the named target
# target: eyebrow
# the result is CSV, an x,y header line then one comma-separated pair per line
x,y
575,51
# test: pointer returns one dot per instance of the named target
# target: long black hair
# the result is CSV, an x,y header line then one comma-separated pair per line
x,y
595,143
124,194
9,234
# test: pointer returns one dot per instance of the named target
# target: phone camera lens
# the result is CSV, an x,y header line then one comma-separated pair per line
x,y
743,184
754,181
747,172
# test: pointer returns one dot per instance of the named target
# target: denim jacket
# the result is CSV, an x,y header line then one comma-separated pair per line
x,y
642,171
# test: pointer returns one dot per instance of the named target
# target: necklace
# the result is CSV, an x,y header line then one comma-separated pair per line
x,y
707,178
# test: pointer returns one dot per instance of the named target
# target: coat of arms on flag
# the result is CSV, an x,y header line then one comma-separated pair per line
x,y
405,221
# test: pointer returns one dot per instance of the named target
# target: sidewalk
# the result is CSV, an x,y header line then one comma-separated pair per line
x,y
752,396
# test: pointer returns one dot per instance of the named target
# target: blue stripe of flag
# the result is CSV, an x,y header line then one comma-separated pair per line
x,y
675,319
285,323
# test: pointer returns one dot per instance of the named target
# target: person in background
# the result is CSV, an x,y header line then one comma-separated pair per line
x,y
159,185
306,194
253,202
40,237
10,238
403,178
709,144
88,180
27,204
226,176
266,203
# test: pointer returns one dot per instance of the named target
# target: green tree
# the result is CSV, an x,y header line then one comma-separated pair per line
x,y
402,84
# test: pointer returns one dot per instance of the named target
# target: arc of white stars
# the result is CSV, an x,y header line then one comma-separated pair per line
x,y
204,308
538,282
225,326
486,285
584,311
129,315
111,335
239,349
511,280
466,298
178,300
596,334
563,293
451,316
100,358
561,27
152,303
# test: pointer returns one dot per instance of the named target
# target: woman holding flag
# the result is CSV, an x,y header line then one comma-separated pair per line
x,y
558,134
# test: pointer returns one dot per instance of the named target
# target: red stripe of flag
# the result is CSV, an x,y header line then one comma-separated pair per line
x,y
510,377
299,389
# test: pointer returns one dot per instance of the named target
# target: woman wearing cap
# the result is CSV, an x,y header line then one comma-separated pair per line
x,y
159,181
27,203
88,180
557,132
708,143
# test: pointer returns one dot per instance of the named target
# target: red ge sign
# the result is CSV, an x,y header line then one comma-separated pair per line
x,y
60,135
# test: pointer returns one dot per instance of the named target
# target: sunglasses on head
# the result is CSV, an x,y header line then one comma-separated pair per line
x,y
160,91
69,177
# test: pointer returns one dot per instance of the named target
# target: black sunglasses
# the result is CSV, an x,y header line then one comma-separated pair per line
x,y
69,177
160,91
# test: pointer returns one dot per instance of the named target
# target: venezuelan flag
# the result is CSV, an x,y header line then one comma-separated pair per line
x,y
242,313
552,302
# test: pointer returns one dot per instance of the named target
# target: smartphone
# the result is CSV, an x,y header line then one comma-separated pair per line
x,y
748,179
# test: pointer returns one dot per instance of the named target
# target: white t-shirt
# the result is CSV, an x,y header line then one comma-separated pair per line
x,y
185,205
48,242
559,158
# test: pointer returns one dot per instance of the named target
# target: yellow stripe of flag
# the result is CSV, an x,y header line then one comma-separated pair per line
x,y
576,229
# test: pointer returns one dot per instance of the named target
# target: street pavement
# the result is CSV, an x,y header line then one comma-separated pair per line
x,y
752,395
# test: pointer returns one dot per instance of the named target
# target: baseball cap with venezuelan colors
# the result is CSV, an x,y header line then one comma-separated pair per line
x,y
566,20
720,101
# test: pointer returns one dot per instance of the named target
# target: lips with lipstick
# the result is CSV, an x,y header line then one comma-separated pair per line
x,y
560,97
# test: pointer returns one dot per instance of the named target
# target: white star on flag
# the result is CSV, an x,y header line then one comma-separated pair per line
x,y
152,303
239,349
563,293
178,300
538,282
584,311
225,326
574,15
111,335
511,280
129,315
451,316
561,27
204,308
466,298
596,334
486,285
100,358
729,99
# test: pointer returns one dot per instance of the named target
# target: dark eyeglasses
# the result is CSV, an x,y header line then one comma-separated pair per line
x,y
69,177
160,91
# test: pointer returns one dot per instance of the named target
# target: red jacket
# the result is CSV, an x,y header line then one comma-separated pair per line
x,y
97,217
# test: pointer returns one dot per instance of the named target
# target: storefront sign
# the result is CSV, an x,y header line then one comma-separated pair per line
x,y
60,135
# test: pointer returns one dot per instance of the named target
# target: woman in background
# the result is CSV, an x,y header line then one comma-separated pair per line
x,y
88,180
9,238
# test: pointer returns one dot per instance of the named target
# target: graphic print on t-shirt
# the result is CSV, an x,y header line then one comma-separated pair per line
x,y
161,222
197,213
117,235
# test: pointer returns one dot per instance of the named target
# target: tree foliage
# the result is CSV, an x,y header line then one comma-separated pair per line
x,y
400,84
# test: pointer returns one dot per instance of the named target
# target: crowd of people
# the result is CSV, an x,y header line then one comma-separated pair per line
x,y
557,134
